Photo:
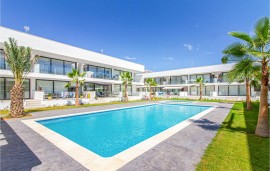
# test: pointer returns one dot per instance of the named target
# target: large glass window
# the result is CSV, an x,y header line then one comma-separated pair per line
x,y
117,88
223,90
192,78
6,85
2,88
59,87
45,85
206,78
93,69
69,66
117,74
233,90
209,89
193,90
242,90
100,72
2,60
44,65
108,73
184,79
89,86
129,90
175,80
57,67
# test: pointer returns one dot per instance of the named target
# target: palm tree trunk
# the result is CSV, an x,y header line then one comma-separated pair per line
x,y
150,92
126,93
262,128
16,103
200,92
248,98
77,94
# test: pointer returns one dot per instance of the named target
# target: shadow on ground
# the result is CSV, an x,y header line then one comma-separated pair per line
x,y
206,124
15,154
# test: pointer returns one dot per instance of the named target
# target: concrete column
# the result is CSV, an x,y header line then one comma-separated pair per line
x,y
32,87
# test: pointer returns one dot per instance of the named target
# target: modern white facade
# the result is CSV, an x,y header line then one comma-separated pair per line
x,y
103,71
56,59
182,82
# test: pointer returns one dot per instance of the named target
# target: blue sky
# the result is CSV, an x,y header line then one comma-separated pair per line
x,y
162,35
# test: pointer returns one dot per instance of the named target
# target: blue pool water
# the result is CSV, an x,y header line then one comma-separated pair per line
x,y
108,133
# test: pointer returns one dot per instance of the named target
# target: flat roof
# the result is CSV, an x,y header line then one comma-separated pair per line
x,y
190,71
51,46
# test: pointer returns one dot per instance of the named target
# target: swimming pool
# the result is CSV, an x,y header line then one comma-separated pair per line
x,y
111,132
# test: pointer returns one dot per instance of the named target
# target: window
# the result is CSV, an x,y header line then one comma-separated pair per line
x,y
100,72
45,85
69,66
57,67
89,86
93,69
59,87
184,79
192,78
209,89
242,90
108,73
6,85
2,60
117,74
193,90
2,88
129,90
233,90
117,88
223,90
175,80
44,65
206,78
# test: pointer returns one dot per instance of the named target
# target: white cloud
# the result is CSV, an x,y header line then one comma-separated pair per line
x,y
130,58
188,46
169,58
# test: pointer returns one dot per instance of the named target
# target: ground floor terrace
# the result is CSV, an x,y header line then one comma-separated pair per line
x,y
24,149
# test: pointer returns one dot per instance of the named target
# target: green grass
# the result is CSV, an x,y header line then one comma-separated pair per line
x,y
235,146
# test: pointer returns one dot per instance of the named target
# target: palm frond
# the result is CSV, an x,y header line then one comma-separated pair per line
x,y
261,29
243,36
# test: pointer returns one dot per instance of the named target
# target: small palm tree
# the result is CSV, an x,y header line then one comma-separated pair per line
x,y
245,71
77,78
150,82
127,80
20,62
200,81
257,48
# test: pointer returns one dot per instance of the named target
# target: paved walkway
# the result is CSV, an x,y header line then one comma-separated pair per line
x,y
23,149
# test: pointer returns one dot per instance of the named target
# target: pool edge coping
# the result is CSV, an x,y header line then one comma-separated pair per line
x,y
91,160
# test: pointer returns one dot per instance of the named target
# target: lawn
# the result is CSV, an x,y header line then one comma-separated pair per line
x,y
235,146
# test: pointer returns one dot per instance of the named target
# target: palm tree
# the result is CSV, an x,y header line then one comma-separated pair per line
x,y
245,71
257,48
77,78
150,82
20,62
200,81
127,80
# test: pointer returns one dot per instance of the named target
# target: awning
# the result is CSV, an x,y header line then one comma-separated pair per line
x,y
165,88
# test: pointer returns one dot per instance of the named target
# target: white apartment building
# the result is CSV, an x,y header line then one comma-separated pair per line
x,y
103,73
182,82
56,60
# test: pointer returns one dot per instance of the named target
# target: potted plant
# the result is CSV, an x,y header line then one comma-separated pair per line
x,y
50,95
